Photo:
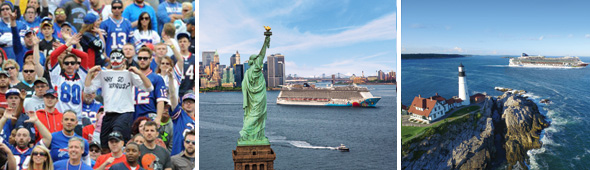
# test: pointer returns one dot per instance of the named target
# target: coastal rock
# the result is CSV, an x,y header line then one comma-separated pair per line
x,y
523,123
464,143
501,132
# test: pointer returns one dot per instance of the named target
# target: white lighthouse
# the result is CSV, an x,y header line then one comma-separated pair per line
x,y
462,86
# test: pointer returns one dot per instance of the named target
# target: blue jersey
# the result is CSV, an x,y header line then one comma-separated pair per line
x,y
182,124
6,34
90,110
64,164
188,75
21,156
59,146
146,102
118,33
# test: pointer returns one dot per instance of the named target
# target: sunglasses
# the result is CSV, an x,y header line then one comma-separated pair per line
x,y
165,64
117,7
28,71
69,63
5,9
94,150
39,153
143,58
60,12
189,142
9,68
145,18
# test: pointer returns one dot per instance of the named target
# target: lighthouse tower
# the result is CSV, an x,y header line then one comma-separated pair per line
x,y
462,86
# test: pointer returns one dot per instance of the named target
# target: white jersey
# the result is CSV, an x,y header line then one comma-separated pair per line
x,y
145,37
69,89
117,89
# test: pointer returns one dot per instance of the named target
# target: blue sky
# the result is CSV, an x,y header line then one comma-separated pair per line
x,y
551,28
316,37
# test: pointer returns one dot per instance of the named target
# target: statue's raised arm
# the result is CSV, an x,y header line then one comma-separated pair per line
x,y
254,95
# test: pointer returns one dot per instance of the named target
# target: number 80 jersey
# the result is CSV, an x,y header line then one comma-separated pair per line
x,y
118,33
69,89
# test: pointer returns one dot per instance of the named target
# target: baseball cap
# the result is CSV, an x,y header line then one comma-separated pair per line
x,y
40,79
66,23
188,96
50,92
94,144
116,135
183,34
116,1
29,31
46,21
90,18
12,91
5,73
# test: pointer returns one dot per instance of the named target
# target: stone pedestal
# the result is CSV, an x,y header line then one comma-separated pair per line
x,y
255,157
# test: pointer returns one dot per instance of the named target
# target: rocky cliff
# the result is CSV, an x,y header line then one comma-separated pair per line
x,y
502,130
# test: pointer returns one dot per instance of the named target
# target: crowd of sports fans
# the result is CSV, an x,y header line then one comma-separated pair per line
x,y
97,84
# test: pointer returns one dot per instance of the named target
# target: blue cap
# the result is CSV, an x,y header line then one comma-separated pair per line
x,y
90,18
66,23
29,31
12,91
50,92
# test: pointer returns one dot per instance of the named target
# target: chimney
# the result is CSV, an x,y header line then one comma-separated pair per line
x,y
419,96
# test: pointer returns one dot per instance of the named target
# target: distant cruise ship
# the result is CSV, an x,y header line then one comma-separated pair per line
x,y
541,61
328,96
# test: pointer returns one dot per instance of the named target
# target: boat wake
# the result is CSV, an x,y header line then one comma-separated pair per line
x,y
297,144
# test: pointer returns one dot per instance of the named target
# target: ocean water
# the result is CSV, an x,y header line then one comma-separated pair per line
x,y
303,137
566,143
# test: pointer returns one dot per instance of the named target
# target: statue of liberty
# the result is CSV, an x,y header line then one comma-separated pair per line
x,y
254,93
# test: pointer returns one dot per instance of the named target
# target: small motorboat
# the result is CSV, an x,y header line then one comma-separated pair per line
x,y
342,148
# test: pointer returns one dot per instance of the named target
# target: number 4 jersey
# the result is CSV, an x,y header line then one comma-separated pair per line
x,y
118,33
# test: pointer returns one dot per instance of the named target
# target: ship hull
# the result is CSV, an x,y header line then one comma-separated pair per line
x,y
368,102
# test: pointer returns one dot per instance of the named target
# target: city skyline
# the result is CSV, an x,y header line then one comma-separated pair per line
x,y
345,37
495,28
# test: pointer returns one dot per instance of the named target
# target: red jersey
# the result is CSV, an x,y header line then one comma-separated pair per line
x,y
103,158
87,132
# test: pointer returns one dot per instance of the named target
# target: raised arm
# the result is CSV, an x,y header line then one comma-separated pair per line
x,y
36,55
42,129
146,82
177,55
172,89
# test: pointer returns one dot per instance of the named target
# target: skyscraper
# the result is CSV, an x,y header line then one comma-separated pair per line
x,y
276,70
207,57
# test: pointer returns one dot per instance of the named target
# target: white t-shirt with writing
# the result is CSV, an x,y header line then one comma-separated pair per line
x,y
117,89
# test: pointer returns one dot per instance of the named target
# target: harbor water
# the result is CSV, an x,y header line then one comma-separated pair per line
x,y
566,143
303,137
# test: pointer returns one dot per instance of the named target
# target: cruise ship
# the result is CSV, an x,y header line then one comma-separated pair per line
x,y
544,62
307,95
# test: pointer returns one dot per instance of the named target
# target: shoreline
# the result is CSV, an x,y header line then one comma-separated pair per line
x,y
278,89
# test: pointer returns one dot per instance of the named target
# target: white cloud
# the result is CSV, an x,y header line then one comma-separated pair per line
x,y
587,36
457,49
541,38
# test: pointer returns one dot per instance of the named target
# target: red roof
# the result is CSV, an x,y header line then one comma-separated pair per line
x,y
438,98
426,104
451,101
